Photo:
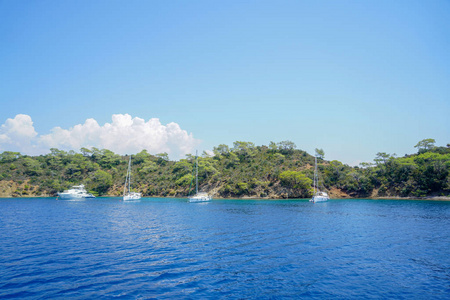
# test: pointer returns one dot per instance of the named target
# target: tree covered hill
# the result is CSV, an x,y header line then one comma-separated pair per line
x,y
244,170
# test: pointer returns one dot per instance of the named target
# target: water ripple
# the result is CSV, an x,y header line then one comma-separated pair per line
x,y
165,249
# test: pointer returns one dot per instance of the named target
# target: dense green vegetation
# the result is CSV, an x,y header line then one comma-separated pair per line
x,y
244,170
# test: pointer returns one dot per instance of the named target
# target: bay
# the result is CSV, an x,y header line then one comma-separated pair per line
x,y
234,249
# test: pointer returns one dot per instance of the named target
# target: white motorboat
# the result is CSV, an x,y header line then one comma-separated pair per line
x,y
127,193
76,192
202,196
318,195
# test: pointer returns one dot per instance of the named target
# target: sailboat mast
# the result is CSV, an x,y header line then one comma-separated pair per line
x,y
196,172
125,186
129,174
316,181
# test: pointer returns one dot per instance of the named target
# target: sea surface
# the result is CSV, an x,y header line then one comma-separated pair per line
x,y
157,248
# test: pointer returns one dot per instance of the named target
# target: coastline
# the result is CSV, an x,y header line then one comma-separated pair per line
x,y
428,198
434,198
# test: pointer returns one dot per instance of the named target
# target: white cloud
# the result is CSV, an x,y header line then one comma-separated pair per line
x,y
124,135
18,134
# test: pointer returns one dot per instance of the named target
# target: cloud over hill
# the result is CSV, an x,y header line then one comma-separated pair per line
x,y
124,135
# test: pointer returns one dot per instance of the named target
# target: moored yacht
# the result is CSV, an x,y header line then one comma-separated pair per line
x,y
76,192
202,196
132,196
127,193
318,195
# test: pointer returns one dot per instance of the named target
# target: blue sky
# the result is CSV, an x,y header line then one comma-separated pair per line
x,y
352,77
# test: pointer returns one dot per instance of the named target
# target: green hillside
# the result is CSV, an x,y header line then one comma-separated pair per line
x,y
244,170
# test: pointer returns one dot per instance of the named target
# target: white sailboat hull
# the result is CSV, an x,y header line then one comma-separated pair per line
x,y
200,198
320,199
132,196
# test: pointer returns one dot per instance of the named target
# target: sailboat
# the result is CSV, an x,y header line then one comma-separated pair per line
x,y
318,195
127,193
202,196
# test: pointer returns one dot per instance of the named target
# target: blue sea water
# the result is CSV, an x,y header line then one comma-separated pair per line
x,y
233,249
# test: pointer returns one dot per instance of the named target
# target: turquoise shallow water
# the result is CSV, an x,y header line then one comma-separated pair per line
x,y
234,249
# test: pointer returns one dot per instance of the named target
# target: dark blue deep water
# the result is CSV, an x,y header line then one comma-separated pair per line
x,y
233,249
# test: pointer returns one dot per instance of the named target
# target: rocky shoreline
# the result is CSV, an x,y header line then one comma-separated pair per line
x,y
433,198
11,189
